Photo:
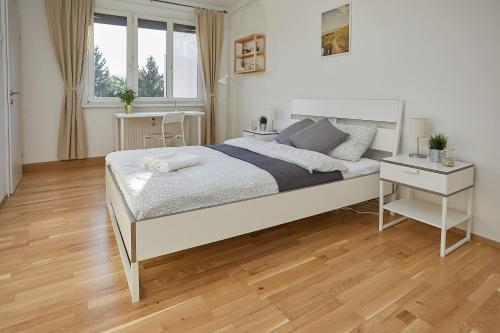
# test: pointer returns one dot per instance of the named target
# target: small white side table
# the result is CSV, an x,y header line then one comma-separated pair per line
x,y
260,135
424,175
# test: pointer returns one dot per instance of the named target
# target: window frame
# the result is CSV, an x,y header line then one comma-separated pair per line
x,y
171,57
132,78
135,65
89,92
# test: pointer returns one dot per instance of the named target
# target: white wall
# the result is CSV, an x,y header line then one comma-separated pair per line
x,y
43,86
442,57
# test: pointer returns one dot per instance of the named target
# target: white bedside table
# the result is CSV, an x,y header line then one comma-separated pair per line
x,y
260,135
424,175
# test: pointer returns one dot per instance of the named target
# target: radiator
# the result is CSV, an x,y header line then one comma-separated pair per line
x,y
136,129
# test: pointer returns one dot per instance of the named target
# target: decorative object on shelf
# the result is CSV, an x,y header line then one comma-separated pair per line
x,y
128,97
420,129
437,143
336,31
263,123
250,54
449,157
254,125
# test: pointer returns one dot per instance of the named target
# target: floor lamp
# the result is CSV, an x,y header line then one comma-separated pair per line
x,y
227,81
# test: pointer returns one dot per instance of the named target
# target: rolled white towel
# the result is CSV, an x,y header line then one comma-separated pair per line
x,y
149,162
177,162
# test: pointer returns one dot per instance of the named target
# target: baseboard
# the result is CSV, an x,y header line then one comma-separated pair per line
x,y
64,165
2,201
477,238
486,241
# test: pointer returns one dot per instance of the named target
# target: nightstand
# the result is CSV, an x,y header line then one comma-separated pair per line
x,y
260,135
424,175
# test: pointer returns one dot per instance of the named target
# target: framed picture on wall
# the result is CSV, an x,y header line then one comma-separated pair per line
x,y
336,31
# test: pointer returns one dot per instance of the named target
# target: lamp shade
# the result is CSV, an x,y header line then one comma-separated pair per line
x,y
420,127
273,115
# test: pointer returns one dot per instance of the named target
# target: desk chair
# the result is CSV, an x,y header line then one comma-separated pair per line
x,y
172,127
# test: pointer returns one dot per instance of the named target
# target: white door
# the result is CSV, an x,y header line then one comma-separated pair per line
x,y
14,89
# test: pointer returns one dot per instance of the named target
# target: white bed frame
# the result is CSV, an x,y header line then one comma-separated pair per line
x,y
142,240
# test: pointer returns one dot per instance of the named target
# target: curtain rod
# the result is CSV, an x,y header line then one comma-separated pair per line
x,y
183,5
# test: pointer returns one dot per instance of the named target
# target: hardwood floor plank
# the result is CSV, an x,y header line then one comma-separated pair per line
x,y
61,271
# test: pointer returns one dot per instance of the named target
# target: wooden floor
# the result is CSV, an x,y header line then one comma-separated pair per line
x,y
60,271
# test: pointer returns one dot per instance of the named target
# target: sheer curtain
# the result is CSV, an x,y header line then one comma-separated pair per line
x,y
70,23
210,34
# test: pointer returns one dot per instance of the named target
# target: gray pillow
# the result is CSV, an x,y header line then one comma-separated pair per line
x,y
285,134
361,137
321,137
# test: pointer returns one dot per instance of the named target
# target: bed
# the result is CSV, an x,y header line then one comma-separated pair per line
x,y
154,215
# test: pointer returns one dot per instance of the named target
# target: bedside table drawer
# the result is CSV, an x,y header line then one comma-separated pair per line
x,y
428,180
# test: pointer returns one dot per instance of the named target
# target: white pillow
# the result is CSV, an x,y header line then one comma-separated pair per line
x,y
361,137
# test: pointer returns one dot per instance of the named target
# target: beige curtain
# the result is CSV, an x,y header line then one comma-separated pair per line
x,y
70,22
210,34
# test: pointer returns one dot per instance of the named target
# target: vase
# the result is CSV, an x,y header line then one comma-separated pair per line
x,y
129,108
436,155
263,127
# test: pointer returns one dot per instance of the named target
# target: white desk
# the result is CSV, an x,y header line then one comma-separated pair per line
x,y
119,119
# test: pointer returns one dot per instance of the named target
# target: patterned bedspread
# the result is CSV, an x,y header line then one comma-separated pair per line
x,y
220,179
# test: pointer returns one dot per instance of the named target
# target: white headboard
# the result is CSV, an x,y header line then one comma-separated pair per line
x,y
387,114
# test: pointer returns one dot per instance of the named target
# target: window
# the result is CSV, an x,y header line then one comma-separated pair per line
x,y
156,57
152,58
110,54
185,62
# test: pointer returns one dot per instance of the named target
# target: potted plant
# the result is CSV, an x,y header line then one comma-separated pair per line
x,y
263,123
128,96
437,144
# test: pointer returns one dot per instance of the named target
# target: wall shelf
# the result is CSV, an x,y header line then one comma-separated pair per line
x,y
250,54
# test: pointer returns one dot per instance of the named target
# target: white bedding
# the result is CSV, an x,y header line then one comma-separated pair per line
x,y
363,167
309,160
220,179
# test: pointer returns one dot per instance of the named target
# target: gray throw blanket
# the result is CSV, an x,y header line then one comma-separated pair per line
x,y
288,176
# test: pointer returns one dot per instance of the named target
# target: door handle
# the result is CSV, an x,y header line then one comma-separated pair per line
x,y
12,93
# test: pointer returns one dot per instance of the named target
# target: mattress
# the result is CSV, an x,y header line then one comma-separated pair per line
x,y
363,167
220,179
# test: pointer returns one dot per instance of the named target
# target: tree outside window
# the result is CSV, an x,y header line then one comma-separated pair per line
x,y
151,82
105,84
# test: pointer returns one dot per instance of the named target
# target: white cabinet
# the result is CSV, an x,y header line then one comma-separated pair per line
x,y
260,135
434,178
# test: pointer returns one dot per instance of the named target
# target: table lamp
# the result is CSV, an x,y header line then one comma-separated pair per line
x,y
273,115
420,129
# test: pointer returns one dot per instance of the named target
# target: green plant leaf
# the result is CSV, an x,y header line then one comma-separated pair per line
x,y
438,141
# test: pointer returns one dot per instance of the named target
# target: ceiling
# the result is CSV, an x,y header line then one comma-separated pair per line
x,y
218,3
